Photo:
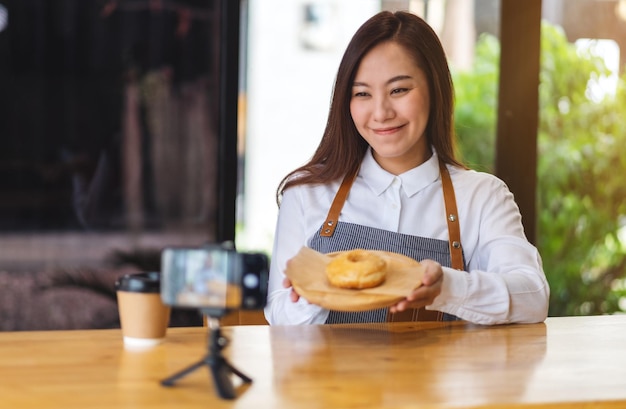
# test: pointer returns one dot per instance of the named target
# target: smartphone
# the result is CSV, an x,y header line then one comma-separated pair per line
x,y
214,278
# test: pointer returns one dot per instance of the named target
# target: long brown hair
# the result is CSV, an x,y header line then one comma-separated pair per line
x,y
341,149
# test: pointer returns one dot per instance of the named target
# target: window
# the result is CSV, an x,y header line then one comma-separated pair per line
x,y
581,190
290,72
110,128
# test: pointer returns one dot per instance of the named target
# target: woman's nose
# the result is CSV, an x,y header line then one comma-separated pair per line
x,y
383,109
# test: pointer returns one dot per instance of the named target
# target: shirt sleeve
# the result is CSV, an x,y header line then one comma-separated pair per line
x,y
505,282
290,236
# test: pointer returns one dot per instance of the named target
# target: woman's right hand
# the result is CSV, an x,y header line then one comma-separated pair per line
x,y
425,294
294,296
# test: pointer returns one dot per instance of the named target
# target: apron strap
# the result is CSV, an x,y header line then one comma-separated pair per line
x,y
452,217
328,228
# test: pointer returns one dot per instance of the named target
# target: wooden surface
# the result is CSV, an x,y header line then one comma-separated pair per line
x,y
575,362
244,317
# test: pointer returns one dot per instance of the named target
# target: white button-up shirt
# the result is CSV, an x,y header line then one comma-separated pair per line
x,y
504,281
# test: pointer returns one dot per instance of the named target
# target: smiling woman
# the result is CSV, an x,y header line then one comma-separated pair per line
x,y
385,177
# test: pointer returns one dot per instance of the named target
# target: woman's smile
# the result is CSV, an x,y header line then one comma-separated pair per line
x,y
387,131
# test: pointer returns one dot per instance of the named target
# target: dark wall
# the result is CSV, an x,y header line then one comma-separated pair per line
x,y
66,67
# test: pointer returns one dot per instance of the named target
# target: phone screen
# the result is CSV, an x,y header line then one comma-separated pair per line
x,y
201,278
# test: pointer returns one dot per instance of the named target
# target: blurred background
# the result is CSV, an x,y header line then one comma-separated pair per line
x,y
115,140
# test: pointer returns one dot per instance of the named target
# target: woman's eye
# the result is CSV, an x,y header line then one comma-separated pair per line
x,y
399,90
360,94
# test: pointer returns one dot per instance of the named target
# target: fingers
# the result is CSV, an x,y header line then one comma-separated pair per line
x,y
400,306
293,295
432,272
417,299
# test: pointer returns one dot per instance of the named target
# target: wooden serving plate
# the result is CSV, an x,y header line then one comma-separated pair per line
x,y
307,272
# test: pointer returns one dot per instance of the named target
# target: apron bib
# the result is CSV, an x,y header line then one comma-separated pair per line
x,y
340,236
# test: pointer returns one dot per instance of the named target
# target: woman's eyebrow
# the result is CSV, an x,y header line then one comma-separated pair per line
x,y
390,81
399,78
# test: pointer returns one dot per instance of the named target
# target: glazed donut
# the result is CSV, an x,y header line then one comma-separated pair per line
x,y
356,269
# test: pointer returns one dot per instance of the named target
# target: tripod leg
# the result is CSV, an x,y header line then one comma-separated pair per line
x,y
221,377
222,371
170,380
237,372
220,368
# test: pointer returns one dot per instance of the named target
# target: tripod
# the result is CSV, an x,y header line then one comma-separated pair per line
x,y
220,368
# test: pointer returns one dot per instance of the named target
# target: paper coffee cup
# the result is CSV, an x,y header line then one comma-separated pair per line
x,y
143,316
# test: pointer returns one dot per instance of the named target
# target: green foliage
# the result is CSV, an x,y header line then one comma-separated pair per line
x,y
476,97
581,168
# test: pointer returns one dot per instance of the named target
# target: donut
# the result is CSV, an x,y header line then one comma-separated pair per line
x,y
356,269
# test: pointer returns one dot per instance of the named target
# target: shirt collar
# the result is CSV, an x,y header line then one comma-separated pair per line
x,y
414,180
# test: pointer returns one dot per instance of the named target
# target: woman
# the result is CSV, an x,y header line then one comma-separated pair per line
x,y
390,124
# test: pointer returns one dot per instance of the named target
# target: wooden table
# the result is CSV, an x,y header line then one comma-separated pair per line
x,y
573,362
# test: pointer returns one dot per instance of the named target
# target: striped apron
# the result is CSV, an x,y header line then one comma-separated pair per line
x,y
341,236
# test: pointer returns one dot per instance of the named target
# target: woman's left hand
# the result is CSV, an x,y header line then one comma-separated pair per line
x,y
426,293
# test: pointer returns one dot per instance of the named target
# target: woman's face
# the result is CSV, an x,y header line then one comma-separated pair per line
x,y
390,107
